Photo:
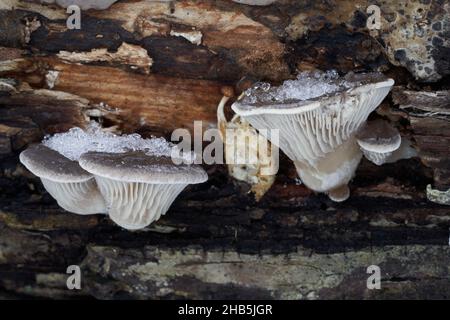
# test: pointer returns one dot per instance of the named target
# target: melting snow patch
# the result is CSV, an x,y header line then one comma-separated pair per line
x,y
76,141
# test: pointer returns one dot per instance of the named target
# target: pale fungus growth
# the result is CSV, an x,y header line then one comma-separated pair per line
x,y
248,154
317,115
73,188
378,140
139,188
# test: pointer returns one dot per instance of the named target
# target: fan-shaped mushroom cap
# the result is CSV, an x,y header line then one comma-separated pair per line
x,y
316,114
378,139
139,188
73,188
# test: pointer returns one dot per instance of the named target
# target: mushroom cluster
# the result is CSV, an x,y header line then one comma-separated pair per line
x,y
132,179
318,116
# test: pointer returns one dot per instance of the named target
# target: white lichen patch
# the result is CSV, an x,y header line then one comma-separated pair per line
x,y
437,196
193,36
298,275
415,35
51,77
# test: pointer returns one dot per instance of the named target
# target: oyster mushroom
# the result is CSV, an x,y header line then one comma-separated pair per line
x,y
74,189
139,188
378,140
318,116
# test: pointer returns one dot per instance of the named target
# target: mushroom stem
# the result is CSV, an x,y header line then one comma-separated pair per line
x,y
333,171
136,205
339,194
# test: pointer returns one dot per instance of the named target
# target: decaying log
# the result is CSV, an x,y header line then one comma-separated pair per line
x,y
154,66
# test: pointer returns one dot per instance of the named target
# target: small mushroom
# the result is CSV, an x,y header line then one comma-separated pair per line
x,y
139,188
317,116
378,140
74,189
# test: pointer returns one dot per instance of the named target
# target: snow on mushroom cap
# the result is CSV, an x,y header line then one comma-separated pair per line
x,y
51,165
140,167
303,93
76,141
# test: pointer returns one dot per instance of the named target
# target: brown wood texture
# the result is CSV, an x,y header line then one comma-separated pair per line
x,y
139,66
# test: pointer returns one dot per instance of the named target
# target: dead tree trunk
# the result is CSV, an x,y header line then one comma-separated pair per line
x,y
154,66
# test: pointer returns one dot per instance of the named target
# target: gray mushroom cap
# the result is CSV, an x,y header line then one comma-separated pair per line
x,y
51,165
379,136
140,167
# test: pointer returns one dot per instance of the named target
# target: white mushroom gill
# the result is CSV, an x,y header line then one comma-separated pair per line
x,y
74,189
76,197
139,188
136,205
317,116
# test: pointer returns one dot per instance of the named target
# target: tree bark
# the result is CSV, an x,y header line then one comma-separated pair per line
x,y
151,67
